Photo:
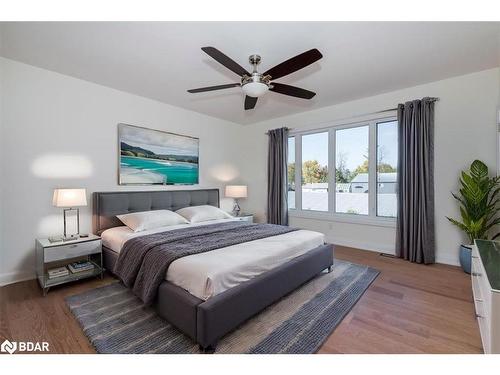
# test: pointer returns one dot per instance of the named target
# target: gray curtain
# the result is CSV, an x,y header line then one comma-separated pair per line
x,y
277,195
415,223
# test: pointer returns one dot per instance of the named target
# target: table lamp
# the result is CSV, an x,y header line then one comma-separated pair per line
x,y
236,191
69,199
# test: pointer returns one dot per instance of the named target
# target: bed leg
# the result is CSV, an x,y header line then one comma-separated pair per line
x,y
210,349
330,268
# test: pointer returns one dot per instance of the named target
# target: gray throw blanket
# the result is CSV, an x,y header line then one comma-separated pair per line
x,y
143,261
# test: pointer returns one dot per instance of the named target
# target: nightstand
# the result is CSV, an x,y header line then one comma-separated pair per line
x,y
245,217
51,255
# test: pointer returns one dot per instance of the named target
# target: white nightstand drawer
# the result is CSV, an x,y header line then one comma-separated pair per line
x,y
71,250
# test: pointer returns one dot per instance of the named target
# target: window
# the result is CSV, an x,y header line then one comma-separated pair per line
x,y
351,175
291,172
362,184
315,172
387,164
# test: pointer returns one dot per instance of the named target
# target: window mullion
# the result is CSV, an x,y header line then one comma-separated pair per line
x,y
331,171
372,169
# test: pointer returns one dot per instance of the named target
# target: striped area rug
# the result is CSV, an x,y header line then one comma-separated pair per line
x,y
115,321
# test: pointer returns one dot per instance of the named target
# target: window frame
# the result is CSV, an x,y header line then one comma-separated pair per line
x,y
331,214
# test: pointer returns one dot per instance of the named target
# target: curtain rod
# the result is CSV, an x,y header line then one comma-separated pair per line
x,y
432,99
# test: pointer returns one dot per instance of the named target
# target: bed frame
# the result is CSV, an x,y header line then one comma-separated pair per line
x,y
206,321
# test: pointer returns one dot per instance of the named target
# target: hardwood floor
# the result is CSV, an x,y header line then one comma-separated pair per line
x,y
409,308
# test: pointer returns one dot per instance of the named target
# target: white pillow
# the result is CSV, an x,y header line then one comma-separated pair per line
x,y
140,221
196,214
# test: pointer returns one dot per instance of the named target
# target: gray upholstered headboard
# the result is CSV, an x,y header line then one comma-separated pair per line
x,y
106,205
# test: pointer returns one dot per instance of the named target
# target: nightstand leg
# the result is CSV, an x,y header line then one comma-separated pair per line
x,y
45,291
102,267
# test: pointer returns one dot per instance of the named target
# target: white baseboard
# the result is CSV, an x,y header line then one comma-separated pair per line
x,y
15,277
379,248
386,249
446,259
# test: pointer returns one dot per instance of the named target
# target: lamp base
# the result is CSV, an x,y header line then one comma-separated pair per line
x,y
74,236
236,208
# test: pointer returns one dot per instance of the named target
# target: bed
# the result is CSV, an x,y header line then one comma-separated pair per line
x,y
208,295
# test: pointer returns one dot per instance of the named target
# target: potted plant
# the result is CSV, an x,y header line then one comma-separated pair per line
x,y
478,199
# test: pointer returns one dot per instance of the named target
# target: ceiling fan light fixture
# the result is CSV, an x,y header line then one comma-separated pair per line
x,y
256,84
255,89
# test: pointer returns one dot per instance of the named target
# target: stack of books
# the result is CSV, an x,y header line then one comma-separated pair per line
x,y
57,272
81,266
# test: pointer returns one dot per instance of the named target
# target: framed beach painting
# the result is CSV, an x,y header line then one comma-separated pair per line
x,y
154,157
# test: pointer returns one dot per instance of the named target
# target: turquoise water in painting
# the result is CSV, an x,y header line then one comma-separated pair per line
x,y
169,172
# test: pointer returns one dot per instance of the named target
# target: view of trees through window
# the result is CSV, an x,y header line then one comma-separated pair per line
x,y
315,171
352,172
387,163
351,178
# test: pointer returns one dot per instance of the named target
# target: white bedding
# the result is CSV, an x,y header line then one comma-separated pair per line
x,y
208,274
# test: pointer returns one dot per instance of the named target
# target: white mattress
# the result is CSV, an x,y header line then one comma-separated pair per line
x,y
208,274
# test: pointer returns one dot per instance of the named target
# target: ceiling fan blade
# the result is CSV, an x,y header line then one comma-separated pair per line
x,y
226,61
213,88
250,102
295,63
292,91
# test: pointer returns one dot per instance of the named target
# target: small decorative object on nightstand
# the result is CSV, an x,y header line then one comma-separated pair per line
x,y
236,191
69,198
245,217
63,262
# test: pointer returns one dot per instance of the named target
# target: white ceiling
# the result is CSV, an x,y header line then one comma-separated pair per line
x,y
161,60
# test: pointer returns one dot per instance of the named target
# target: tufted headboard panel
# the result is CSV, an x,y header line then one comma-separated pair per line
x,y
106,205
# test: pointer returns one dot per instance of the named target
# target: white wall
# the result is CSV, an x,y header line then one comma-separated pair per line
x,y
50,120
62,132
464,131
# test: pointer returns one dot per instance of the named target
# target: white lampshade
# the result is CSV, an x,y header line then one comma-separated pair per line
x,y
69,197
236,191
255,89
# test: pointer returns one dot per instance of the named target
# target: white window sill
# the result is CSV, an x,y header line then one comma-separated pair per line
x,y
344,218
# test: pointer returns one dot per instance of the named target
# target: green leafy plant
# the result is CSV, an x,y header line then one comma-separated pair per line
x,y
478,198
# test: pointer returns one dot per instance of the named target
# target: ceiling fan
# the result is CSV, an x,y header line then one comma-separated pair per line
x,y
256,84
